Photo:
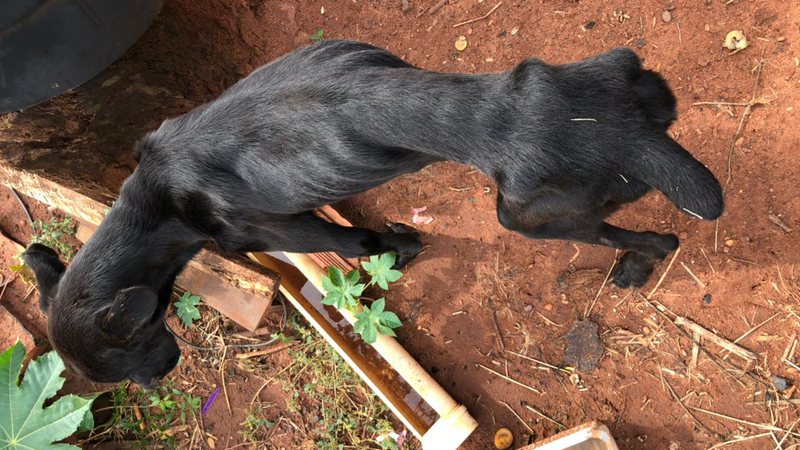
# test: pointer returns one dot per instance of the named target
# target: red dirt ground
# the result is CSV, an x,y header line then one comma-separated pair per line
x,y
473,269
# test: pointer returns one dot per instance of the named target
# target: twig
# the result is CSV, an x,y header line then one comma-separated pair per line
x,y
752,330
222,374
697,280
247,355
777,221
608,275
537,361
722,342
737,440
760,426
531,408
708,260
437,7
497,330
479,18
517,416
747,109
664,275
509,379
680,402
719,104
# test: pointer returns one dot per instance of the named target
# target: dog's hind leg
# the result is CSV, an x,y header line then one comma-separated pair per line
x,y
307,233
644,249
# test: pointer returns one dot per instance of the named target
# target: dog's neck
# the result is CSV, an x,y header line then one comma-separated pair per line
x,y
141,242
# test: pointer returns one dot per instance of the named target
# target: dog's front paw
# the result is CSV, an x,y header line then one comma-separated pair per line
x,y
405,242
633,270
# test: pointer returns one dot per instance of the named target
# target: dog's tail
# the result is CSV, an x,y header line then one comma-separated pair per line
x,y
663,164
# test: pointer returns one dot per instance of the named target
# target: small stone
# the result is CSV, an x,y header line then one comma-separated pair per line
x,y
780,38
666,16
707,299
212,443
461,43
489,60
514,31
503,438
471,200
584,347
729,243
640,43
674,445
589,25
683,235
528,308
548,307
645,330
780,384
322,10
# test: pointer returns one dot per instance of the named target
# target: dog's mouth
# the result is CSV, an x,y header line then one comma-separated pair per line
x,y
152,382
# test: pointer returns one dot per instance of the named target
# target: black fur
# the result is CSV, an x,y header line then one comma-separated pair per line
x,y
566,144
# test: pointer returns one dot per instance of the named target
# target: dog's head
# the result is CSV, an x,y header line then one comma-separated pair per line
x,y
110,339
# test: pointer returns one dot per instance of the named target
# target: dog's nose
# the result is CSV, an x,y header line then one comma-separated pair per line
x,y
147,384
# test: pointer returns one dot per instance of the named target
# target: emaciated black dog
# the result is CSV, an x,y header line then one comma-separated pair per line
x,y
567,145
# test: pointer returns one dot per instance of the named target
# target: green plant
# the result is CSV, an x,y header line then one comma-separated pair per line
x,y
344,292
53,234
374,320
24,424
380,269
318,36
338,410
152,416
186,308
256,427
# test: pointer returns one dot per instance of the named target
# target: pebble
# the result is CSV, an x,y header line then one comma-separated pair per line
x,y
461,43
780,38
729,243
707,299
514,31
548,307
640,42
780,384
503,439
528,308
666,16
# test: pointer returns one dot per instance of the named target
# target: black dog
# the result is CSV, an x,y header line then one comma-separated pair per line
x,y
566,144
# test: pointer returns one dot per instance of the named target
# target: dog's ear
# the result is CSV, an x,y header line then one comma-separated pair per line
x,y
132,309
47,268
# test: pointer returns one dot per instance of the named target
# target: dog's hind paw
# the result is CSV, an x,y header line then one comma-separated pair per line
x,y
633,270
406,243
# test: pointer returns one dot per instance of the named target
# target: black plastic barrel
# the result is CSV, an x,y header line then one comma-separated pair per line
x,y
48,47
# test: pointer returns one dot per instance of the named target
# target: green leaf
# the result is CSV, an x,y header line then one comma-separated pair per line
x,y
373,320
186,308
390,320
380,269
342,291
316,37
24,424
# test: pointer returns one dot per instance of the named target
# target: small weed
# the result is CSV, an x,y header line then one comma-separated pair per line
x,y
52,234
344,292
256,427
338,409
318,36
186,308
154,416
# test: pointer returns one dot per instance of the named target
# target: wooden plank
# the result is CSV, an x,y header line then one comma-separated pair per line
x,y
235,287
